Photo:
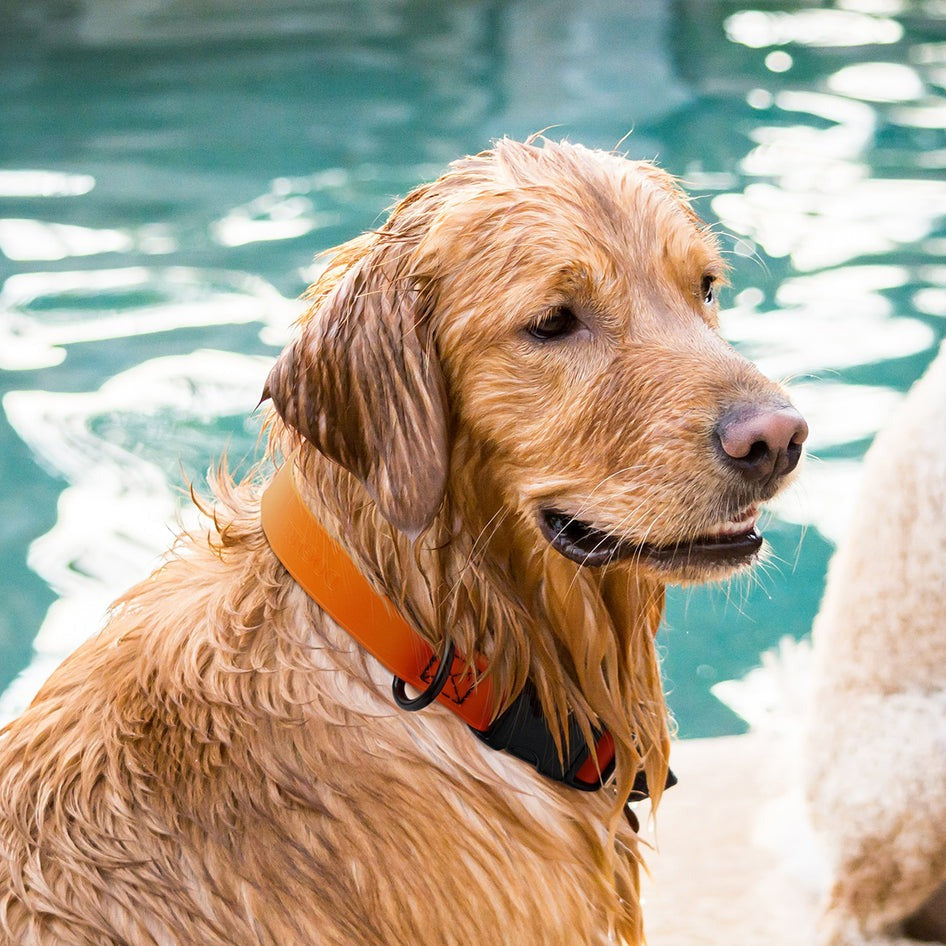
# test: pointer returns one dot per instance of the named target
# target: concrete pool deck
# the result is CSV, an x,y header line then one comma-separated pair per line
x,y
735,863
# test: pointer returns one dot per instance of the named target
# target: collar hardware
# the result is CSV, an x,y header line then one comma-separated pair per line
x,y
522,731
434,688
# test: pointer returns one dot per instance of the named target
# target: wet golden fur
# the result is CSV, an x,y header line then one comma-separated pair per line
x,y
222,765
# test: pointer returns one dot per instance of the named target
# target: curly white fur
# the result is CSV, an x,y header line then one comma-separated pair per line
x,y
876,740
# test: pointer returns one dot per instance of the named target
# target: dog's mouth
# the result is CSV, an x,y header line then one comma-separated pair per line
x,y
729,544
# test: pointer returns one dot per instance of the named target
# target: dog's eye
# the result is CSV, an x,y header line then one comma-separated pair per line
x,y
707,289
554,324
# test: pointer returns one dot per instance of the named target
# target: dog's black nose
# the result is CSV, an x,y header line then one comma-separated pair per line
x,y
761,443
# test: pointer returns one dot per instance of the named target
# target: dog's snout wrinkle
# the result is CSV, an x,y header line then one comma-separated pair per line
x,y
761,444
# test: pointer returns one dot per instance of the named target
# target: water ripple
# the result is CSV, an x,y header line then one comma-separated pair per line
x,y
117,514
41,314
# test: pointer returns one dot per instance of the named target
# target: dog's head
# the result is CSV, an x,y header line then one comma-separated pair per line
x,y
545,319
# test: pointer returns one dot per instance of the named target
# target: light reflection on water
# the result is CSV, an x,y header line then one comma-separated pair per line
x,y
27,183
758,29
151,264
43,313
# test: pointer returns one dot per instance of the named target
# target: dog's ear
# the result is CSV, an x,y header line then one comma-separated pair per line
x,y
363,384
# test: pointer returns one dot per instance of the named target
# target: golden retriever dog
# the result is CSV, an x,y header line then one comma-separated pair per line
x,y
876,739
507,421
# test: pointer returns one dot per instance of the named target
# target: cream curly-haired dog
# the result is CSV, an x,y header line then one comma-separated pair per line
x,y
507,421
877,743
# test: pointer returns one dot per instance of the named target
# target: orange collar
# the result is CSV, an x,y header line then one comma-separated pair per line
x,y
327,574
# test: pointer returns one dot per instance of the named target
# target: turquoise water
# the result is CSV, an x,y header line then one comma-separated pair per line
x,y
168,171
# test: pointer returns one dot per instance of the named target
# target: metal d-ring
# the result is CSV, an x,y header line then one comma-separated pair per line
x,y
433,690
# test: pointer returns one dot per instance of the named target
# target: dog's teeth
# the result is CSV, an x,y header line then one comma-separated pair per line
x,y
738,526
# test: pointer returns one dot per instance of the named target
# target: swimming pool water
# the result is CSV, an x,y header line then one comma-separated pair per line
x,y
168,171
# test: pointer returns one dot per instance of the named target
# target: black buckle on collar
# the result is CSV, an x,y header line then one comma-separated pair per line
x,y
523,732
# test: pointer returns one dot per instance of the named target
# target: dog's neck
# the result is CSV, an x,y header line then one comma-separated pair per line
x,y
584,637
329,577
